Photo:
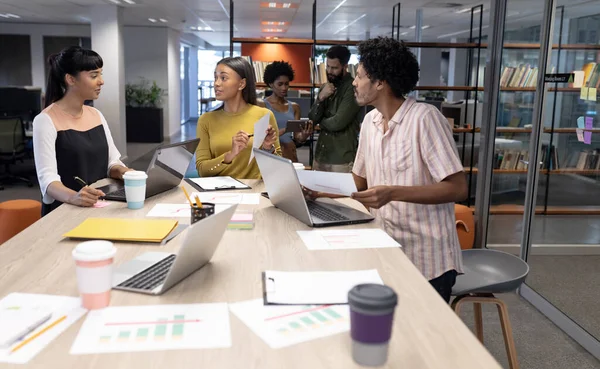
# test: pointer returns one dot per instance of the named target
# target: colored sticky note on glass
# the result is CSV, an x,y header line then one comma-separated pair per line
x,y
584,93
593,94
581,122
579,134
587,135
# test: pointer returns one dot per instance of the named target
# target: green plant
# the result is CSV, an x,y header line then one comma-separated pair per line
x,y
144,94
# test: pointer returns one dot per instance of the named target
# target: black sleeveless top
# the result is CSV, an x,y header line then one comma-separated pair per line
x,y
82,154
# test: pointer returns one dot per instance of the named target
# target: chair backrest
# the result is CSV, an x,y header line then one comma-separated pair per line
x,y
12,133
465,226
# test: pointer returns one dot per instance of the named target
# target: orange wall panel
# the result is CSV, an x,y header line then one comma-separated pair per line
x,y
297,55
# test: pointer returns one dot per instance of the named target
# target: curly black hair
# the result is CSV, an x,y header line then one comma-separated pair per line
x,y
276,70
340,52
386,59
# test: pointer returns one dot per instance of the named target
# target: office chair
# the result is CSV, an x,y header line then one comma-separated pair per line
x,y
12,148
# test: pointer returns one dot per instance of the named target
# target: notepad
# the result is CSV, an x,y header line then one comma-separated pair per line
x,y
137,230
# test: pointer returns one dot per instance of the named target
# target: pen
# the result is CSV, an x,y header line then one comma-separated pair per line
x,y
80,181
38,334
251,135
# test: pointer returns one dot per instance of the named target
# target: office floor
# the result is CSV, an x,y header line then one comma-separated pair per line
x,y
540,344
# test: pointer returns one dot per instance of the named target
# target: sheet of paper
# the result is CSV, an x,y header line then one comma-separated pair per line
x,y
347,239
587,135
101,204
213,183
228,197
584,93
315,287
153,328
170,211
581,122
59,305
579,134
260,133
281,326
328,182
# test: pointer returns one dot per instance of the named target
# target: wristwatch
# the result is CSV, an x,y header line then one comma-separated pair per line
x,y
271,150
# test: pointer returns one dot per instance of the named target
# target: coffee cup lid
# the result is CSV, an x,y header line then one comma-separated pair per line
x,y
135,174
370,296
94,251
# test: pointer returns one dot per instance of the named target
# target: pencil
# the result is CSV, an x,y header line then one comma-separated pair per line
x,y
38,334
198,202
187,196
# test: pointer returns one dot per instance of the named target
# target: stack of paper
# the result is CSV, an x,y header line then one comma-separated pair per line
x,y
64,312
242,220
140,230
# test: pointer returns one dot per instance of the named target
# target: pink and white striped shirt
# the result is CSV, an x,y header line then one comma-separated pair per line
x,y
417,150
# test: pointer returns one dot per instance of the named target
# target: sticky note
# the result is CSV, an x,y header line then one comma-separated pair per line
x,y
587,135
581,122
584,93
593,94
579,134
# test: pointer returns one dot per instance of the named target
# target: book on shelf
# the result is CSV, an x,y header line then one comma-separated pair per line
x,y
511,159
585,160
588,76
522,76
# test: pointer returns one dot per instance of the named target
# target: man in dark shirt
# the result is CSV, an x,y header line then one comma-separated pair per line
x,y
337,113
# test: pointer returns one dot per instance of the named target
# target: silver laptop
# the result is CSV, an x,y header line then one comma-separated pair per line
x,y
285,192
154,273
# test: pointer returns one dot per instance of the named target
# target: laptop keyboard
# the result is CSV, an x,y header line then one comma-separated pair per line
x,y
151,277
118,193
321,212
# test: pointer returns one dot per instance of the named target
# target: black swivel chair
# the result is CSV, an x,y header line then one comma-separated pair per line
x,y
12,149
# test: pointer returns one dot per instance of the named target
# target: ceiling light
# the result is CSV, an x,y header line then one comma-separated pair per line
x,y
115,2
273,30
466,10
274,5
152,20
163,20
4,16
271,23
404,34
10,15
349,24
194,28
422,27
331,12
130,2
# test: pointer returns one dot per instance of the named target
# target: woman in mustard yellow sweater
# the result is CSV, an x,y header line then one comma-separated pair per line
x,y
225,144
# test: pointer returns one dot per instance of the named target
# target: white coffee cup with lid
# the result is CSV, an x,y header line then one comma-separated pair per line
x,y
94,269
135,188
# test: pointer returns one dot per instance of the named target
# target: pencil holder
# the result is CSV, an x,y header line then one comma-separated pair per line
x,y
202,212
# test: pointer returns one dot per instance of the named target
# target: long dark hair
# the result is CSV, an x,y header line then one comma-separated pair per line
x,y
71,60
243,68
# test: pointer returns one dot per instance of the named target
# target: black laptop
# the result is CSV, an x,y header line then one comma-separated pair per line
x,y
165,170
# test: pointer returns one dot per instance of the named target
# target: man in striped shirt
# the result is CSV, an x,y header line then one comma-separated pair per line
x,y
407,169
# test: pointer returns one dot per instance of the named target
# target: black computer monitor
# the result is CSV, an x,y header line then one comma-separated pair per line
x,y
19,101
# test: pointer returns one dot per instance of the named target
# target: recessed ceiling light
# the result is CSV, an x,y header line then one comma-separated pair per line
x,y
131,2
10,15
466,10
152,20
273,30
404,34
4,16
163,20
275,38
422,27
271,23
274,5
115,2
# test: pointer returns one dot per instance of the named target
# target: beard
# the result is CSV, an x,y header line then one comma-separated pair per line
x,y
335,79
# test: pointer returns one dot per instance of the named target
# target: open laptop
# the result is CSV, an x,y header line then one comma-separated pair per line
x,y
285,192
165,170
153,273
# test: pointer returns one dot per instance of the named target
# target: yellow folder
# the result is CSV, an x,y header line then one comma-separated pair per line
x,y
140,230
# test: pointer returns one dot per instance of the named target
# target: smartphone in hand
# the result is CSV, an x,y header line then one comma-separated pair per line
x,y
295,125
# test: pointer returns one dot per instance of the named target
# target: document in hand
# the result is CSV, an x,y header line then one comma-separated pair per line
x,y
260,133
328,182
314,288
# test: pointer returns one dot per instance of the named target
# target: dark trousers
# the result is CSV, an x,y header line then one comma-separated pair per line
x,y
443,284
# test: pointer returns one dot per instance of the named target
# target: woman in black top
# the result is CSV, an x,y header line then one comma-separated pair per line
x,y
71,139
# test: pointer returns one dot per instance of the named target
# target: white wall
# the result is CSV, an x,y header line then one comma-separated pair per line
x,y
37,33
173,125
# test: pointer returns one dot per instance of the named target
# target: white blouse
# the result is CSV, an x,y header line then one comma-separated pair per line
x,y
44,143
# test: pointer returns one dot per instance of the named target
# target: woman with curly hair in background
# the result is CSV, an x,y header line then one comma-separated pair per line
x,y
277,77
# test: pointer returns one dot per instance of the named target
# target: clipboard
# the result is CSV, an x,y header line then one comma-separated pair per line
x,y
238,186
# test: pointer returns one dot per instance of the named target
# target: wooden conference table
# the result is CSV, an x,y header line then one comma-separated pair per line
x,y
426,333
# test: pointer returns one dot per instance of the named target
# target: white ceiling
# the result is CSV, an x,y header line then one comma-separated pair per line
x,y
372,17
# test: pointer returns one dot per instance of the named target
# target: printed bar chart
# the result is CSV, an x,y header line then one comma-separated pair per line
x,y
161,330
142,334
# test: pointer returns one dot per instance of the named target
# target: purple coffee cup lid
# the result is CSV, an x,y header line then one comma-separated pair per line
x,y
372,297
